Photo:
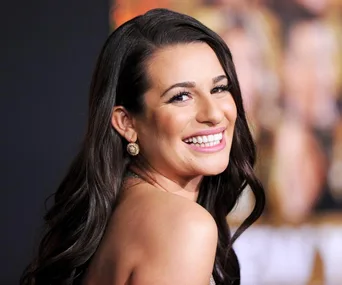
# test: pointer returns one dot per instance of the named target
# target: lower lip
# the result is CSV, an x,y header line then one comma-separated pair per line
x,y
209,149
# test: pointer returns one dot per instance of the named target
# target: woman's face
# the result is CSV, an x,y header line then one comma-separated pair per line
x,y
187,125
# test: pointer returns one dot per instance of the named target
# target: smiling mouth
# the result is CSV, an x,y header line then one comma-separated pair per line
x,y
205,141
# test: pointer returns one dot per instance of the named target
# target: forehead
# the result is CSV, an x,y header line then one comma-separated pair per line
x,y
184,62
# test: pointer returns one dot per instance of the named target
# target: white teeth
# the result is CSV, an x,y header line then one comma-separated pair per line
x,y
208,144
205,139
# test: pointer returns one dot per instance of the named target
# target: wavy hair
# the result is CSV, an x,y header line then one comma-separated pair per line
x,y
87,196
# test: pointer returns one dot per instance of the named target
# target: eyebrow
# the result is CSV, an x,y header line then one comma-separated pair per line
x,y
191,84
219,78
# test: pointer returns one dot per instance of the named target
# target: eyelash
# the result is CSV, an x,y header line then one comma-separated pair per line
x,y
223,88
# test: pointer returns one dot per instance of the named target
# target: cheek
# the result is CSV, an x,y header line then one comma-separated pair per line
x,y
170,123
229,109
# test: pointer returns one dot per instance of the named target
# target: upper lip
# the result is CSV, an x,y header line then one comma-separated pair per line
x,y
206,132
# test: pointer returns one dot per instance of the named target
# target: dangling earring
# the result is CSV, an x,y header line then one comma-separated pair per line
x,y
133,148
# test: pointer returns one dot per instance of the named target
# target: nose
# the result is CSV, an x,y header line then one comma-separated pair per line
x,y
209,111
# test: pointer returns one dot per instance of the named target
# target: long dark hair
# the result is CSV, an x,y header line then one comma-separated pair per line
x,y
87,196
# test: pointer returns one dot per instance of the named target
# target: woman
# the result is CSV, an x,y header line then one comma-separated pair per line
x,y
166,129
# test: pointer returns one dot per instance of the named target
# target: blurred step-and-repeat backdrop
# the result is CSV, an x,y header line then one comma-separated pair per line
x,y
288,55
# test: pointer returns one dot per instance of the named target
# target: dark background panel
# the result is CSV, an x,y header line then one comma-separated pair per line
x,y
48,52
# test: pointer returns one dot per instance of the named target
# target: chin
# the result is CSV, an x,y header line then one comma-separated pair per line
x,y
214,168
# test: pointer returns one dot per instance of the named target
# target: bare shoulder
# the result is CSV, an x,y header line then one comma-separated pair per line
x,y
176,238
152,212
155,238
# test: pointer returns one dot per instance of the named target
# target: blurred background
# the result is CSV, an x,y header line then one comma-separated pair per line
x,y
288,56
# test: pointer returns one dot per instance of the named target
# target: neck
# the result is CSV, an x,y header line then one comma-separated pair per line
x,y
186,187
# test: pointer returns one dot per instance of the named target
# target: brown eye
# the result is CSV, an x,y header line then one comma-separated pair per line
x,y
181,97
220,89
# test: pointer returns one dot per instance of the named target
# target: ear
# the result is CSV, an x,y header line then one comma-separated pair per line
x,y
122,122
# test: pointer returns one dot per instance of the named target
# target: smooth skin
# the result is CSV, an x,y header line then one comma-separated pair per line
x,y
158,234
